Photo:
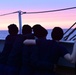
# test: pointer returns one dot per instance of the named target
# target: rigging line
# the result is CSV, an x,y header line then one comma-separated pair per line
x,y
72,37
9,13
67,36
49,11
69,28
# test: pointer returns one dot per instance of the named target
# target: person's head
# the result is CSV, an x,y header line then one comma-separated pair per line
x,y
13,29
26,29
57,33
39,31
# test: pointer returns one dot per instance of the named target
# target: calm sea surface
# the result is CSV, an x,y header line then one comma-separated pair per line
x,y
4,33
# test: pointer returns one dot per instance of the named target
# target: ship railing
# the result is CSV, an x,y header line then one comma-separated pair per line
x,y
65,37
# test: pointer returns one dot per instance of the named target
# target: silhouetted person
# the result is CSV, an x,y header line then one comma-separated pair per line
x,y
27,52
13,29
39,31
15,58
47,54
57,34
26,29
9,41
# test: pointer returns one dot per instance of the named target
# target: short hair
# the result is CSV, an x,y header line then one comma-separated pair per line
x,y
39,31
57,33
26,29
12,29
36,27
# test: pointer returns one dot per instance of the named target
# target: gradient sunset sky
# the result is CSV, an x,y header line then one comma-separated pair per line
x,y
63,19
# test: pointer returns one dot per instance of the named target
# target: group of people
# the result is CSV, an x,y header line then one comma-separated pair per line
x,y
31,53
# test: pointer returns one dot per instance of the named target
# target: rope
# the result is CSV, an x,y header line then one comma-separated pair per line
x,y
9,13
40,11
49,11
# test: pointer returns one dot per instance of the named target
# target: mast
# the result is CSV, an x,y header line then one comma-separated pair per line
x,y
20,21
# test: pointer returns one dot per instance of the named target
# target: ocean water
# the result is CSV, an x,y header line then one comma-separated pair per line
x,y
4,33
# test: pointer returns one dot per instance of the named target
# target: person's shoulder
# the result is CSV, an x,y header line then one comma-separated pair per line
x,y
61,44
45,41
52,42
29,36
41,40
19,37
8,37
62,48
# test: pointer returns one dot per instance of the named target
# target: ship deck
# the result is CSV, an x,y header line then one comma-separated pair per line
x,y
63,70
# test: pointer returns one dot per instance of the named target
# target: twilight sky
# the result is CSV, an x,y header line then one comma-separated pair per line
x,y
63,19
